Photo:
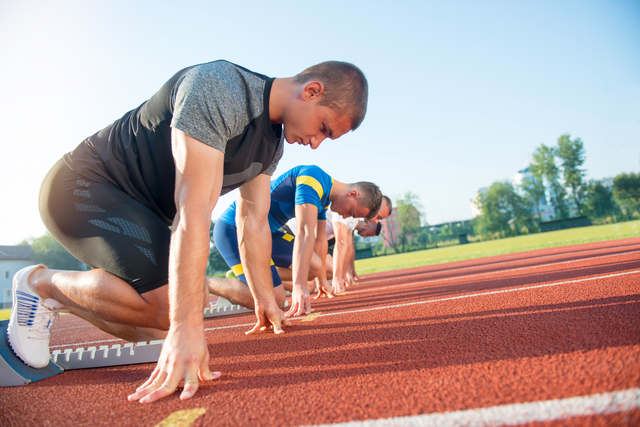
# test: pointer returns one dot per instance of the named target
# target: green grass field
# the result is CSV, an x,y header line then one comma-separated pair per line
x,y
483,249
550,239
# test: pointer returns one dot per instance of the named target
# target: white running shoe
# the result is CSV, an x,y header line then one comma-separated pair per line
x,y
31,319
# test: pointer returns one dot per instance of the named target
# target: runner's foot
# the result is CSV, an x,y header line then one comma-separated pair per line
x,y
31,319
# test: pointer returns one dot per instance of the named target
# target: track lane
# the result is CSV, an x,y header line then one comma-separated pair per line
x,y
521,334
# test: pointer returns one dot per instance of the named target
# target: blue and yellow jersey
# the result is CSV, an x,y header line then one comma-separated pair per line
x,y
297,186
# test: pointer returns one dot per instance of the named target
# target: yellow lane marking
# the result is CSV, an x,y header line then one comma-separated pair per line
x,y
182,418
311,317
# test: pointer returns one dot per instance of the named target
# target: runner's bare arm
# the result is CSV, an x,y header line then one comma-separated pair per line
x,y
321,248
350,276
340,253
306,217
185,356
254,242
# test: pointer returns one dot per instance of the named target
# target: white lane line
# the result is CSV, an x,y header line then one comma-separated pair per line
x,y
516,414
475,267
404,304
488,273
480,294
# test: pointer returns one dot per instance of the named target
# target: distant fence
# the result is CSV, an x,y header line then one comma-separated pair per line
x,y
560,224
364,253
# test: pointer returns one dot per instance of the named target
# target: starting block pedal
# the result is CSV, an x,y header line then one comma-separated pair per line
x,y
116,355
224,307
13,370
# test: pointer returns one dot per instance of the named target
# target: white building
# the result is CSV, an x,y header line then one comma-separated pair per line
x,y
475,202
12,259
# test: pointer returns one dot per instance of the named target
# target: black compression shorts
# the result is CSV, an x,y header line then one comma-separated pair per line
x,y
106,228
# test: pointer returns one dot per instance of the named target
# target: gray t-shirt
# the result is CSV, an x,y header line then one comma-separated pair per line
x,y
218,103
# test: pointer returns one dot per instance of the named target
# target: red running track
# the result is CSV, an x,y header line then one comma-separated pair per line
x,y
548,337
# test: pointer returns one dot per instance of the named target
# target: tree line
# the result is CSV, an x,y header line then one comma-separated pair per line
x,y
555,180
553,187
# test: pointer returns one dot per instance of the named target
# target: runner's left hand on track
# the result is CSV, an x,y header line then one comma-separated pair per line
x,y
300,301
269,318
338,286
324,290
184,356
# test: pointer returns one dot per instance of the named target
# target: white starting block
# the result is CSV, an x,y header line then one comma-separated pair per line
x,y
14,371
116,355
224,307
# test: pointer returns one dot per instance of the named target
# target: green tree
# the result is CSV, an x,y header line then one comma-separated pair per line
x,y
216,262
572,156
504,210
422,237
544,166
626,192
534,191
408,219
379,248
48,251
598,201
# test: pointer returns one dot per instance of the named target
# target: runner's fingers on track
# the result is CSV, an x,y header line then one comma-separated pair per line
x,y
153,382
293,310
170,384
204,374
307,301
322,292
163,383
261,324
273,321
184,356
156,372
327,291
298,308
188,368
278,320
257,328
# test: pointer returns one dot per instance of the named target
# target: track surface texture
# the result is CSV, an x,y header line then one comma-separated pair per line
x,y
543,338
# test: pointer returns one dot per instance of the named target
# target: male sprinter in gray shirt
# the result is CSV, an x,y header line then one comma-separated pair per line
x,y
211,128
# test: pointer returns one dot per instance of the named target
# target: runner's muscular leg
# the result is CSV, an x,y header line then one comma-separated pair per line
x,y
286,274
238,292
105,300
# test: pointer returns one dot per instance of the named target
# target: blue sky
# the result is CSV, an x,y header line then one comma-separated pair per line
x,y
461,92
